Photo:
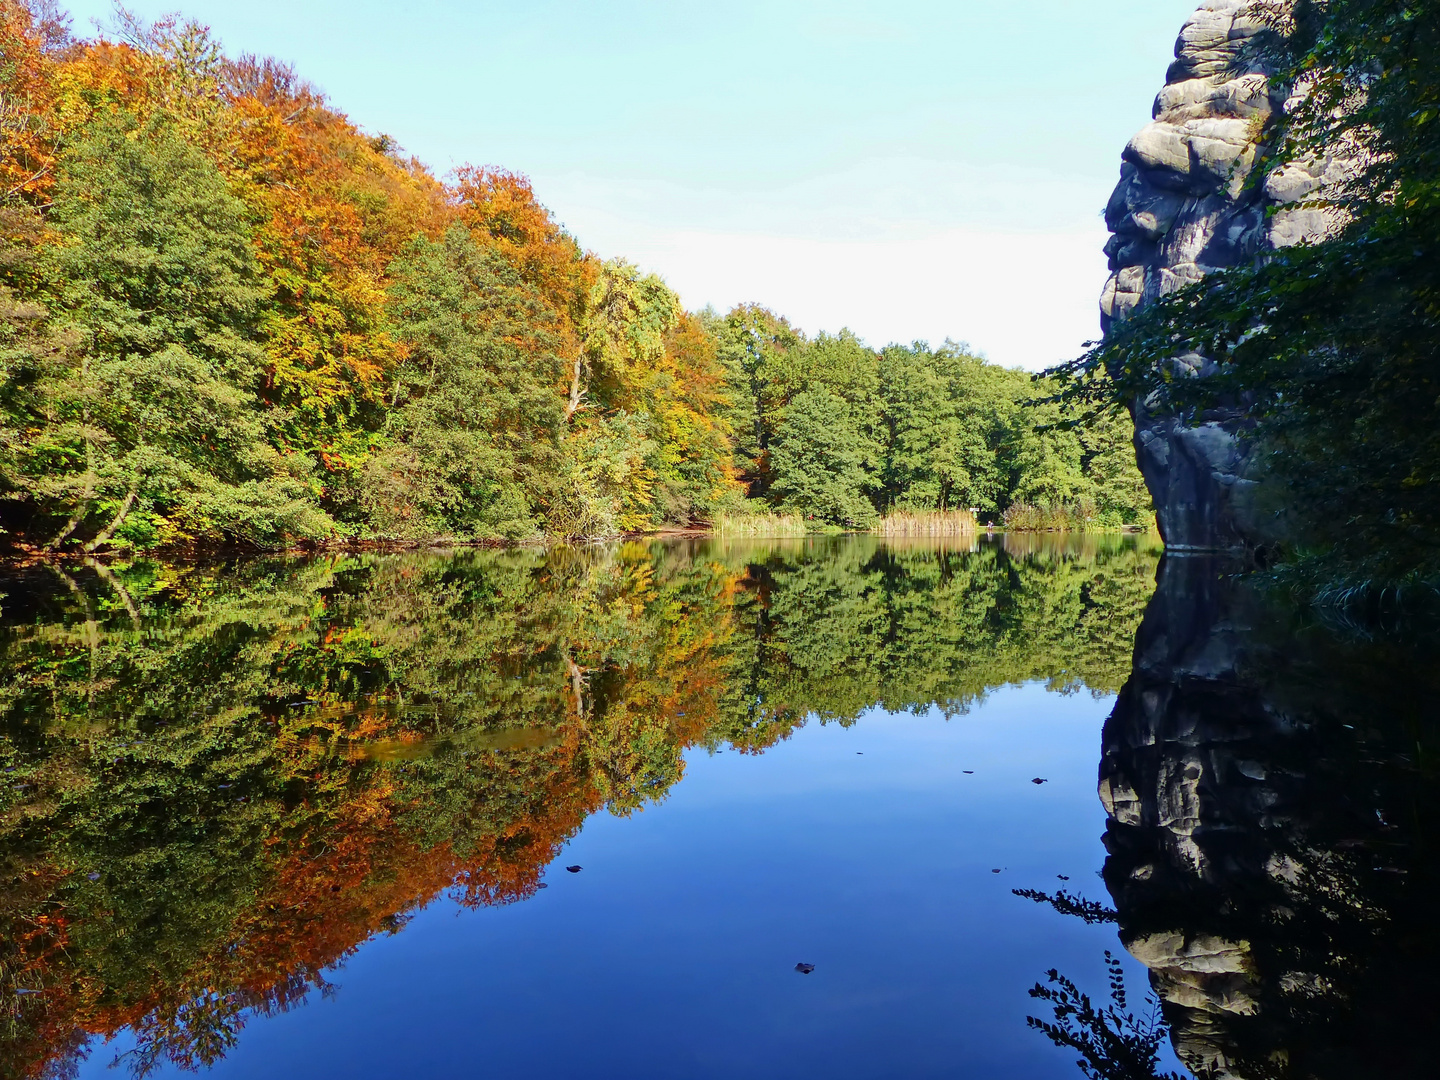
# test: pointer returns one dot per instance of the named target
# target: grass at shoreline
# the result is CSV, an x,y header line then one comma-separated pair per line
x,y
760,525
1078,517
927,523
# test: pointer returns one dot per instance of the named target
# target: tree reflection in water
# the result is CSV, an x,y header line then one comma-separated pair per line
x,y
220,781
1272,796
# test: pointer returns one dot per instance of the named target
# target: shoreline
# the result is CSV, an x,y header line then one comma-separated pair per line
x,y
26,556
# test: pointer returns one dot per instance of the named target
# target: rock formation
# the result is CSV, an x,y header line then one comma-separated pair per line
x,y
1184,208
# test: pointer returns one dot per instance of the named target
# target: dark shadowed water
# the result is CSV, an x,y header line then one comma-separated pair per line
x,y
315,818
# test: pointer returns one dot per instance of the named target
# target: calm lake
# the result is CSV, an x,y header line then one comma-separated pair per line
x,y
592,812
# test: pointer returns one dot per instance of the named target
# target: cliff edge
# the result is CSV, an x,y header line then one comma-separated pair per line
x,y
1186,207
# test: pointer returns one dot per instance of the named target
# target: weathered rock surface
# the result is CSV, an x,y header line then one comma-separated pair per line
x,y
1182,210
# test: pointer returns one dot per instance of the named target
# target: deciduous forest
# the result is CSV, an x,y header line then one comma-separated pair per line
x,y
228,314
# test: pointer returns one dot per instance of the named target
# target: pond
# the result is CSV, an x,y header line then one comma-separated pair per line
x,y
705,808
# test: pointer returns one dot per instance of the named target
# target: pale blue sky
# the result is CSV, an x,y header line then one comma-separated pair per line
x,y
912,169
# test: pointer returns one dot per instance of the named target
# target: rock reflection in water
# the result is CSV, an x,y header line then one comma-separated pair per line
x,y
1272,794
221,781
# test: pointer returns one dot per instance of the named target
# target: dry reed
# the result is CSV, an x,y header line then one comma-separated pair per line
x,y
927,523
762,525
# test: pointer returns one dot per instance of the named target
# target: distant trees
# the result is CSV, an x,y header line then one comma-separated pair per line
x,y
839,432
825,464
946,416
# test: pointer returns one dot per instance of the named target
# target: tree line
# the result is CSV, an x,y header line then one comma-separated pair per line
x,y
227,314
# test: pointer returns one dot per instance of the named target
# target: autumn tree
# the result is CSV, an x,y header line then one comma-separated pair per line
x,y
471,433
154,425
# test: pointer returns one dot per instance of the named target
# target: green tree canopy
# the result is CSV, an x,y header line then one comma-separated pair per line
x,y
153,426
824,463
471,436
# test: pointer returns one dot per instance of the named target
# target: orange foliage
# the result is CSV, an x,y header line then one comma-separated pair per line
x,y
331,208
27,155
335,209
501,210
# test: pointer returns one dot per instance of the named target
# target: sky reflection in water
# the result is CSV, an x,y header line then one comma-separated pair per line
x,y
672,953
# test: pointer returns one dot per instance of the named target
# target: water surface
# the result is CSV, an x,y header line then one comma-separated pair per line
x,y
312,817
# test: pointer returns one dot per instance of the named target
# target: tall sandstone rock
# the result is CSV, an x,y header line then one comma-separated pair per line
x,y
1186,207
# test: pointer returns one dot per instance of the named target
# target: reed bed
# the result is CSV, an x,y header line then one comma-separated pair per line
x,y
761,525
927,523
1077,517
1063,517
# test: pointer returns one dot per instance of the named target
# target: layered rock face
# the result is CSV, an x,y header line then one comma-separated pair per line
x,y
1183,209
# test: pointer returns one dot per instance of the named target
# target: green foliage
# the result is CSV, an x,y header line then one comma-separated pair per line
x,y
150,423
823,464
754,348
604,482
949,414
1108,453
1045,460
843,434
471,436
629,316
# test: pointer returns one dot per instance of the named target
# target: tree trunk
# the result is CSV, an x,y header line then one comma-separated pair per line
x,y
84,508
575,390
577,682
103,537
114,583
79,516
92,628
